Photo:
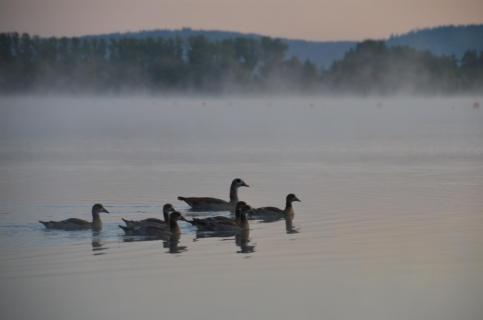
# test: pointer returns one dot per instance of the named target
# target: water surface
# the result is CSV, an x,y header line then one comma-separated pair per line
x,y
390,225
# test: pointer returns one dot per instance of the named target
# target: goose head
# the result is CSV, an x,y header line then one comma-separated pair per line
x,y
237,183
175,216
98,208
292,197
167,209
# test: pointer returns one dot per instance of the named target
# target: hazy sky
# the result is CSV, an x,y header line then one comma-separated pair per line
x,y
309,19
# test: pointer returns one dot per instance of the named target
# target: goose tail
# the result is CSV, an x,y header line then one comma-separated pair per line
x,y
47,224
192,222
125,229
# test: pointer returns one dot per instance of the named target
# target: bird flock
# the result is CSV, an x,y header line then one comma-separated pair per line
x,y
240,211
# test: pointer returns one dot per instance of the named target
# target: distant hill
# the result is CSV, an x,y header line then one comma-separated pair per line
x,y
445,40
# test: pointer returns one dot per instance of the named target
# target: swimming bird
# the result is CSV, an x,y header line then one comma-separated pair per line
x,y
214,204
220,223
167,209
156,230
273,212
79,224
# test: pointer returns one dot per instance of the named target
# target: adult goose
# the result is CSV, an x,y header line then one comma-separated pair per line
x,y
220,223
214,204
79,224
167,209
273,213
156,230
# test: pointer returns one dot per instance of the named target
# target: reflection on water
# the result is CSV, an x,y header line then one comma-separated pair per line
x,y
173,244
289,227
270,218
240,237
170,241
98,245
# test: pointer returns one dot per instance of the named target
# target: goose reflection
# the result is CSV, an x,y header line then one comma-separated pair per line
x,y
173,244
289,227
241,238
97,243
170,242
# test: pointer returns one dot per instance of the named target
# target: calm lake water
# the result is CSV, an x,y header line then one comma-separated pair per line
x,y
390,225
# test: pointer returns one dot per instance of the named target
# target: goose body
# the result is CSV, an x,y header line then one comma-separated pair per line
x,y
215,204
220,223
78,224
273,213
156,230
167,209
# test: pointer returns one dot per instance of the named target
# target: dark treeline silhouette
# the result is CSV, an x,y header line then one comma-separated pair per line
x,y
155,64
239,64
373,67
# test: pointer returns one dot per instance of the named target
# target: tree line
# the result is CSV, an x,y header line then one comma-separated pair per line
x,y
92,64
373,67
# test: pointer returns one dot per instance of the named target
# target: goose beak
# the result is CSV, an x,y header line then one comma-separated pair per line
x,y
297,199
244,184
104,210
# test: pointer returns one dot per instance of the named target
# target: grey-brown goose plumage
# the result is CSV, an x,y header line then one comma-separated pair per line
x,y
167,209
79,224
215,204
156,230
220,223
273,212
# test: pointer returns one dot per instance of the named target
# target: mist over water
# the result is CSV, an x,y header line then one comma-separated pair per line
x,y
390,225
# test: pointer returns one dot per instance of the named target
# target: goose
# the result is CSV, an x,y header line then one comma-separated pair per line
x,y
156,230
167,208
270,213
220,223
214,204
79,224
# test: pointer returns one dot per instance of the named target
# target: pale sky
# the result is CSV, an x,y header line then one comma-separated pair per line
x,y
305,19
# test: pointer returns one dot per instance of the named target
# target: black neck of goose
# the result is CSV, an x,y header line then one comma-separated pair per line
x,y
288,205
166,216
95,216
173,225
288,224
233,193
243,217
237,215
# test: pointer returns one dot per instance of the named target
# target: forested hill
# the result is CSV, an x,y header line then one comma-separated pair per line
x,y
445,40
